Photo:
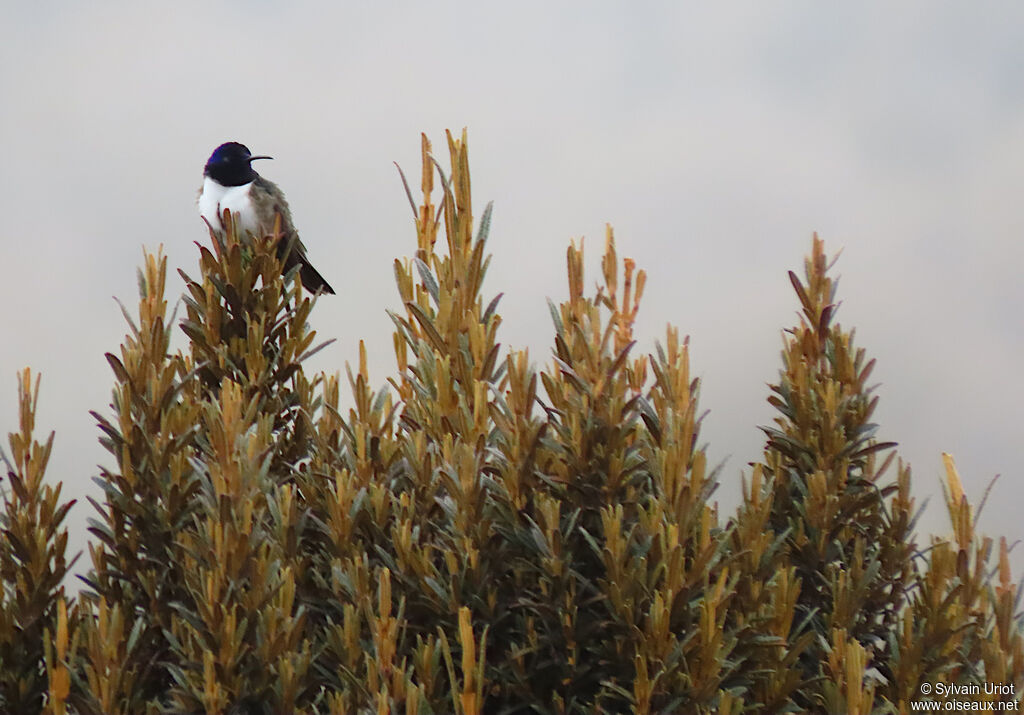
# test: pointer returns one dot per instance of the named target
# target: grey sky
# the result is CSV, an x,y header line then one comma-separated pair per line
x,y
714,138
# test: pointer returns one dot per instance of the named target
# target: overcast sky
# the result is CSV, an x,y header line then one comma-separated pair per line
x,y
715,139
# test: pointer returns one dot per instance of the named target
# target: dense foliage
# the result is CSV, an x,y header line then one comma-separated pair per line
x,y
481,536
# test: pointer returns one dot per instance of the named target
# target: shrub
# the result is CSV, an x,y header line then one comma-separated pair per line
x,y
480,535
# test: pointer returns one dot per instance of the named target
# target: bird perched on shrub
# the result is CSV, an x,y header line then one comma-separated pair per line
x,y
230,182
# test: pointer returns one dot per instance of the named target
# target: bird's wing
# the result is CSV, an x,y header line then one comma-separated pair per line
x,y
277,205
311,278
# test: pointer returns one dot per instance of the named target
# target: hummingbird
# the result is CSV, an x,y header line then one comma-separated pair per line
x,y
230,182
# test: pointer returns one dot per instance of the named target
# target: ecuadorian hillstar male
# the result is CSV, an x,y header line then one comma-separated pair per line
x,y
230,182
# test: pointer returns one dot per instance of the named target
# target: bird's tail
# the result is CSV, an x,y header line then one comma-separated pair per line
x,y
295,255
312,280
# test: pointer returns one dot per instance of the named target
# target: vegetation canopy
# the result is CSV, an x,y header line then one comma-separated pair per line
x,y
482,536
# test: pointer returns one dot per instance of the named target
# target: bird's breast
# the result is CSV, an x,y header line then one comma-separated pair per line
x,y
215,198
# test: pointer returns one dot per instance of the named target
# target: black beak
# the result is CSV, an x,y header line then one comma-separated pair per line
x,y
254,158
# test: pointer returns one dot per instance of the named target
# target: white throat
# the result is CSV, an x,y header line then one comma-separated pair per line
x,y
215,198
